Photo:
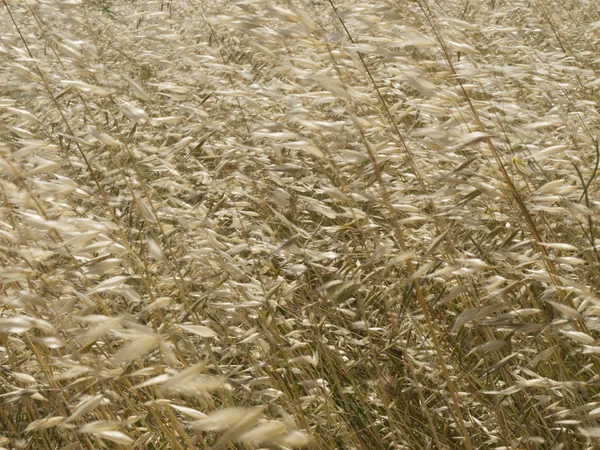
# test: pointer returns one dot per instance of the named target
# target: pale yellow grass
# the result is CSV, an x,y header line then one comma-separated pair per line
x,y
285,224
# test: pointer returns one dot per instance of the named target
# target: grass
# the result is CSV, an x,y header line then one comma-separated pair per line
x,y
304,224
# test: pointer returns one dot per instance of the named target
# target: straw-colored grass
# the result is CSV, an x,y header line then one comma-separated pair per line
x,y
282,224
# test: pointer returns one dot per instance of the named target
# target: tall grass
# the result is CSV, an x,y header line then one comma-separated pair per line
x,y
283,224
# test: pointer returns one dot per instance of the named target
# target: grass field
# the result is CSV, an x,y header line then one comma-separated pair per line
x,y
280,224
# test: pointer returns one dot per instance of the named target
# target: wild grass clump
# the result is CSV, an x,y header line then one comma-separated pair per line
x,y
288,224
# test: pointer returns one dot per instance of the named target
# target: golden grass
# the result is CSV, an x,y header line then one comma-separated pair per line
x,y
284,224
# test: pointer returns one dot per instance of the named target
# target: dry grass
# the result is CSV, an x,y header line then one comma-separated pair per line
x,y
282,224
